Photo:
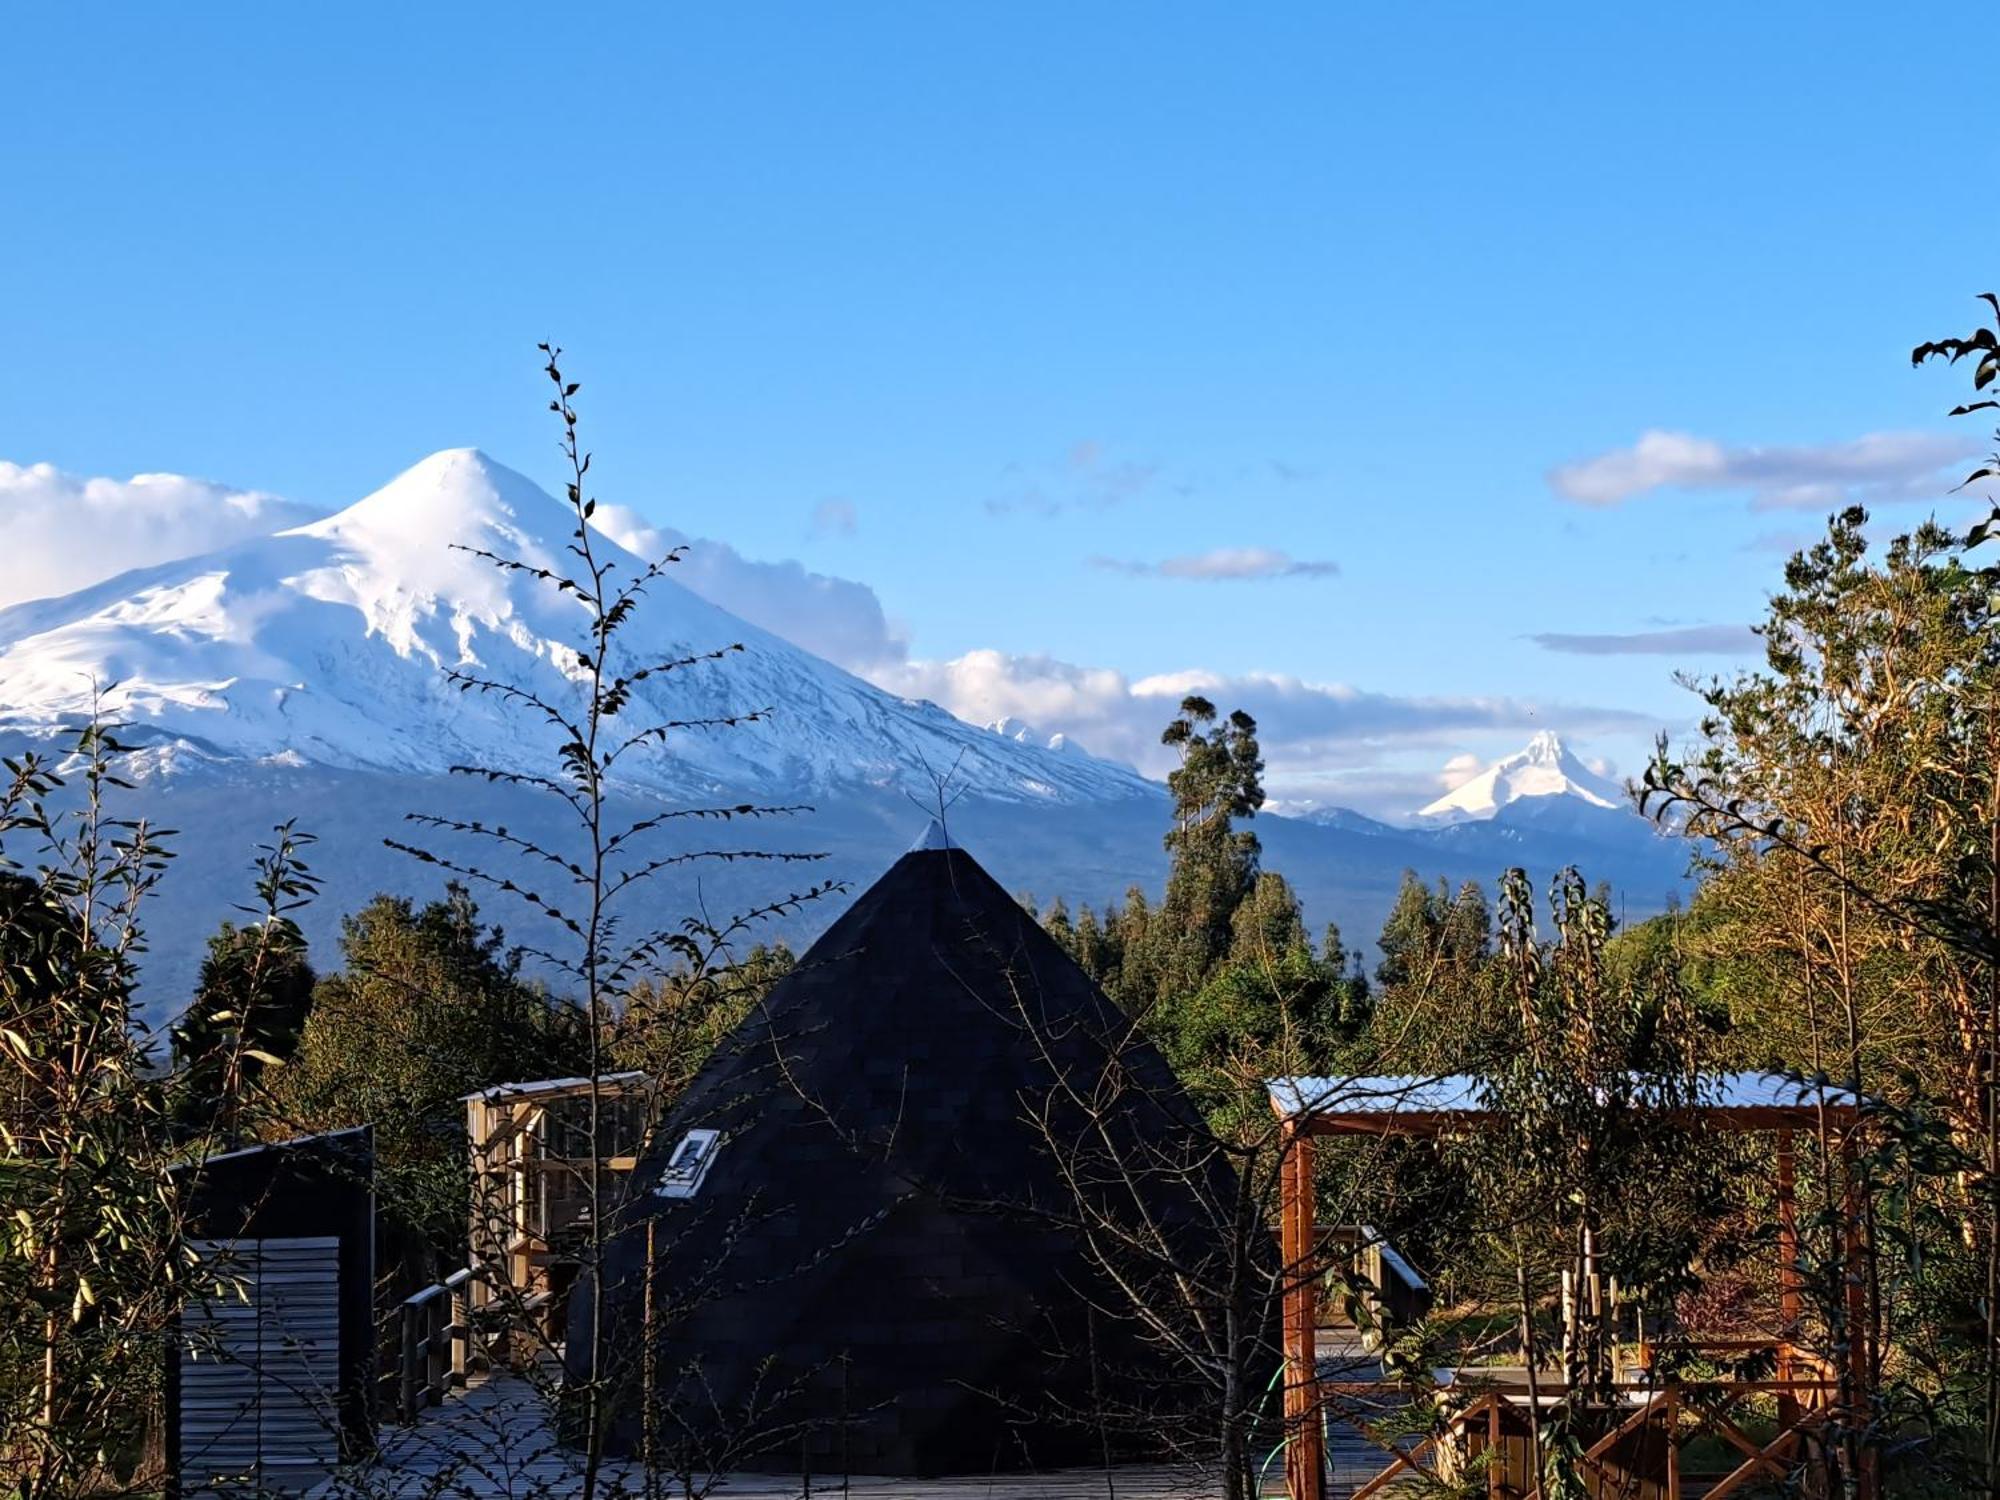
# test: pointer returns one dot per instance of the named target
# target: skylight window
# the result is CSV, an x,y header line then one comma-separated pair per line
x,y
688,1166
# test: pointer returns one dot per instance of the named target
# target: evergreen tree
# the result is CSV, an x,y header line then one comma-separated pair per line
x,y
1357,1003
249,1010
1135,975
1433,938
670,1027
430,1007
1218,780
1089,946
1057,920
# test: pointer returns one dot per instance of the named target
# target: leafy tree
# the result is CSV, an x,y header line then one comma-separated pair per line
x,y
1433,938
1848,793
1222,974
1435,1005
1588,1169
1087,942
429,1006
251,998
1218,782
93,1266
669,1027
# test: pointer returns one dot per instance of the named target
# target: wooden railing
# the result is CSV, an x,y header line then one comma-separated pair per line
x,y
1639,1456
436,1341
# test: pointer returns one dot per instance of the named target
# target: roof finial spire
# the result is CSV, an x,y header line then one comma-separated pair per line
x,y
935,837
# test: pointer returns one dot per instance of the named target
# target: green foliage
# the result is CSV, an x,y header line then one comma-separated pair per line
x,y
1601,1059
670,1027
429,1007
1590,1167
1217,782
251,997
1271,1004
1436,1010
1222,973
1434,937
1850,922
90,1255
1849,786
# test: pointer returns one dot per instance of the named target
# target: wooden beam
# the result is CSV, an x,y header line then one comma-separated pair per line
x,y
1305,1455
1855,1270
1789,1301
1496,1452
1670,1431
1638,1419
1490,1404
1735,1479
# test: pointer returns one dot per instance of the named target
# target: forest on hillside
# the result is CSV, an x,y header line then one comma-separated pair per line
x,y
1841,803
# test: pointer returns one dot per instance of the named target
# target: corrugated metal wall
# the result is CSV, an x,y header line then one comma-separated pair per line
x,y
260,1367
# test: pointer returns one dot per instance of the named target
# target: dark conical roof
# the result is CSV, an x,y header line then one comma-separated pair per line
x,y
884,1223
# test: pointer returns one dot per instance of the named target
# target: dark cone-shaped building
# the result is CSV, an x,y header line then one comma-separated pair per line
x,y
879,1225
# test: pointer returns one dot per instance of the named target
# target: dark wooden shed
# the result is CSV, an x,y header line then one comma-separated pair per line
x,y
270,1378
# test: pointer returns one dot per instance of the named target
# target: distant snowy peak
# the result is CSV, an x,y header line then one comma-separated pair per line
x,y
329,643
1546,768
1011,728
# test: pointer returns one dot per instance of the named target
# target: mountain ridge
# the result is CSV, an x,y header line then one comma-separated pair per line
x,y
330,641
301,677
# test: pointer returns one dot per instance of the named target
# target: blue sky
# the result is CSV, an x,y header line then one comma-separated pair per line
x,y
996,310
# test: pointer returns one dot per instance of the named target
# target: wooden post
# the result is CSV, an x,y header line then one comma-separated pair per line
x,y
1670,1430
1867,1479
461,1322
1788,1277
1305,1456
406,1390
650,1339
1496,1454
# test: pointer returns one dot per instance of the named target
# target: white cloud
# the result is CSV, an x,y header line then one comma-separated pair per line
x,y
1306,728
1318,737
1692,640
1232,564
836,618
1880,468
60,532
1310,730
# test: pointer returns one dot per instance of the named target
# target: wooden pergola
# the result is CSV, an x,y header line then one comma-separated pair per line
x,y
1429,1107
535,1156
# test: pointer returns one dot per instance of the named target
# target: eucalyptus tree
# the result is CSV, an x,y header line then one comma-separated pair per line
x,y
1590,1170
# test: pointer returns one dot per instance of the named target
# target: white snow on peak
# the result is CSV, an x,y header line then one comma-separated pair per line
x,y
1023,733
1545,768
328,643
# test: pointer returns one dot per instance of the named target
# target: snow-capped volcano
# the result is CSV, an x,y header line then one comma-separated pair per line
x,y
327,645
1546,768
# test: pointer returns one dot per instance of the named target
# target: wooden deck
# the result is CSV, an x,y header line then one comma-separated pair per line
x,y
492,1441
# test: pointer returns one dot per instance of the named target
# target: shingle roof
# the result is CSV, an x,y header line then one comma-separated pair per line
x,y
881,1204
